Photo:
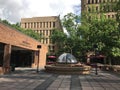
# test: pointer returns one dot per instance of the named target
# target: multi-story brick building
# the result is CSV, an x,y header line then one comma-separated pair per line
x,y
97,7
44,26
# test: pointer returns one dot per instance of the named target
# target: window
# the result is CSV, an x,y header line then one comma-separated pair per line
x,y
40,31
54,24
31,24
88,1
96,8
47,24
40,24
46,40
43,41
50,32
108,16
50,40
43,24
25,25
50,24
92,1
28,25
96,1
34,25
46,32
37,24
53,47
43,32
113,16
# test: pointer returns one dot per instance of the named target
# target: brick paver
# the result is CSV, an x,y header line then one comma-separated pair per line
x,y
30,80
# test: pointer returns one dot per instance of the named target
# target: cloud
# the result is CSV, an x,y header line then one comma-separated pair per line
x,y
65,6
14,10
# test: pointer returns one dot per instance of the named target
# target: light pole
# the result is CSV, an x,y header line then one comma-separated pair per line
x,y
95,46
38,47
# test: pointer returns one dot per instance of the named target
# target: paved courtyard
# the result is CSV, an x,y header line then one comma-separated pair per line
x,y
28,79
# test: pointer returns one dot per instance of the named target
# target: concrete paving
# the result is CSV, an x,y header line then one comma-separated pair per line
x,y
28,79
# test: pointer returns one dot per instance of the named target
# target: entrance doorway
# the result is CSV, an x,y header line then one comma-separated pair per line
x,y
21,57
1,54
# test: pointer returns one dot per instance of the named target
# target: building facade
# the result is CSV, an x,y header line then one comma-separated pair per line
x,y
19,49
97,7
44,26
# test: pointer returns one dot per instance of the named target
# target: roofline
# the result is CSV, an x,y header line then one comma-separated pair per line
x,y
17,30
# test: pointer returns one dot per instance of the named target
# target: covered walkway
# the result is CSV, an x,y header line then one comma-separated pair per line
x,y
19,49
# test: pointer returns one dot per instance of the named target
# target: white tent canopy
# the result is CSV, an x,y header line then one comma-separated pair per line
x,y
66,58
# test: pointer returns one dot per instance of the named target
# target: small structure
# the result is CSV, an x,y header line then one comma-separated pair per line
x,y
67,64
18,49
67,58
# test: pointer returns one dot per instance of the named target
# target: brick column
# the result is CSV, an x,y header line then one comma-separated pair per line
x,y
35,59
6,58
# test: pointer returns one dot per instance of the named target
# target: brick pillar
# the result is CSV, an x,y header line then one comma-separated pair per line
x,y
6,58
35,59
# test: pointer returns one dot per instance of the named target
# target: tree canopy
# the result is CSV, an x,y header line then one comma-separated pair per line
x,y
83,36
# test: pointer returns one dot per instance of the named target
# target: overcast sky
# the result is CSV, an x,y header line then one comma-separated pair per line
x,y
14,10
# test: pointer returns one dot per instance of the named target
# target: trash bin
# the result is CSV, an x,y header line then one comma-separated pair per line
x,y
12,67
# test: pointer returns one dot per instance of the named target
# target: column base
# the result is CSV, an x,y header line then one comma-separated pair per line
x,y
6,70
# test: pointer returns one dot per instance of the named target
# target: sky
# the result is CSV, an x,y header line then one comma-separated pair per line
x,y
14,10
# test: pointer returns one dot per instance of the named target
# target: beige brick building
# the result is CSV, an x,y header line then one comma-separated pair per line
x,y
97,7
44,26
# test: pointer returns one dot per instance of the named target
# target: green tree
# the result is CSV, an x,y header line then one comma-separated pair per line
x,y
71,23
59,39
6,22
102,32
70,41
33,34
